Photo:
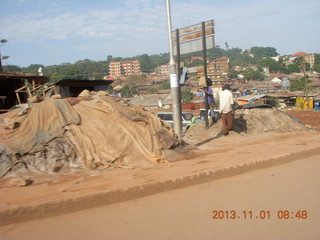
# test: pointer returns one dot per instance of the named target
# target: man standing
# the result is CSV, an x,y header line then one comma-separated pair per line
x,y
226,108
209,99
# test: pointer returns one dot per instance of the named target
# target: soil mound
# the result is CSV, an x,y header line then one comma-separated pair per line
x,y
58,135
254,121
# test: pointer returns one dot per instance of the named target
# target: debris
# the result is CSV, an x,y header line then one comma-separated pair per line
x,y
20,182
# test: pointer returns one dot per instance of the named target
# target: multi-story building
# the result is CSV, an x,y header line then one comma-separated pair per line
x,y
124,68
218,70
219,65
308,58
163,70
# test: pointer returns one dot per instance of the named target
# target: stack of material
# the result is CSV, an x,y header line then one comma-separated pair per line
x,y
86,132
254,121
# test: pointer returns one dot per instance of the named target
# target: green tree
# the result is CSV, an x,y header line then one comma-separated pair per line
x,y
195,63
153,90
136,79
127,92
145,63
273,65
298,61
233,74
11,68
186,96
260,52
33,68
316,66
251,74
293,68
299,84
165,85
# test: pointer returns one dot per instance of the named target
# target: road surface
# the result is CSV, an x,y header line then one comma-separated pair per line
x,y
281,202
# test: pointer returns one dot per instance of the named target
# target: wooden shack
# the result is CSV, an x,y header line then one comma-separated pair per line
x,y
16,87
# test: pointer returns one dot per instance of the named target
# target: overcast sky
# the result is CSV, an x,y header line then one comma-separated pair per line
x,y
53,32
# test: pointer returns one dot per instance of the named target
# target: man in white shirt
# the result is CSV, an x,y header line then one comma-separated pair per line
x,y
226,108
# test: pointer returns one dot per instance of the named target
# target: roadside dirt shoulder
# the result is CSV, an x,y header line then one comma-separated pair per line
x,y
222,156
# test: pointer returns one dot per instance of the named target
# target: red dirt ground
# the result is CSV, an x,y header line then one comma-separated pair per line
x,y
310,118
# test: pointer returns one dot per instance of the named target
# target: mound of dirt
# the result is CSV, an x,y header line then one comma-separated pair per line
x,y
58,135
254,121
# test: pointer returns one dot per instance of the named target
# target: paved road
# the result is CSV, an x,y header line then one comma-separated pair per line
x,y
281,202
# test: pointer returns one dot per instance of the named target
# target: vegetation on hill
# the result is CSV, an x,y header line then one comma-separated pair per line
x,y
259,56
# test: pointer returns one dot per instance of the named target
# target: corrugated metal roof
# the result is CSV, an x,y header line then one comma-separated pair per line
x,y
250,97
82,82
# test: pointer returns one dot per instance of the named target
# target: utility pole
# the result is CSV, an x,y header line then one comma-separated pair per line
x,y
204,50
174,82
306,92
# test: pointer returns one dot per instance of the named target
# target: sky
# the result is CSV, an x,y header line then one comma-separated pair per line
x,y
55,32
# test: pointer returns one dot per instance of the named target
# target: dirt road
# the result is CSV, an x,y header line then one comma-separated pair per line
x,y
284,200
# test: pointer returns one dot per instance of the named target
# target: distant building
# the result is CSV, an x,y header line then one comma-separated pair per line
x,y
218,70
277,58
163,70
308,58
192,59
124,68
219,65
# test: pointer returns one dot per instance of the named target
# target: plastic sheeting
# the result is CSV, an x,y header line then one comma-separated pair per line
x,y
90,133
116,133
27,130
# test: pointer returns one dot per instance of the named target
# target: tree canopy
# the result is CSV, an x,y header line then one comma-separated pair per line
x,y
88,69
260,52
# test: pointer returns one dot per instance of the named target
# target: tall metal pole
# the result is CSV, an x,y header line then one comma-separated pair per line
x,y
179,107
306,93
204,47
174,81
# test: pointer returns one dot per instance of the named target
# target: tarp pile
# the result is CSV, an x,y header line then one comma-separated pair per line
x,y
86,132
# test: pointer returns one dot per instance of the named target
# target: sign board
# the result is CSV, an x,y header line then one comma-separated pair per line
x,y
190,38
195,45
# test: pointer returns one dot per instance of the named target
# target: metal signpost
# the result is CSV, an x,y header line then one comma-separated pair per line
x,y
190,39
195,38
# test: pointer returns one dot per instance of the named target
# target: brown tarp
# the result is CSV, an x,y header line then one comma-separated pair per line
x,y
27,132
113,133
89,133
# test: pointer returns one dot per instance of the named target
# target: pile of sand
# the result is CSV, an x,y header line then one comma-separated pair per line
x,y
58,135
253,121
